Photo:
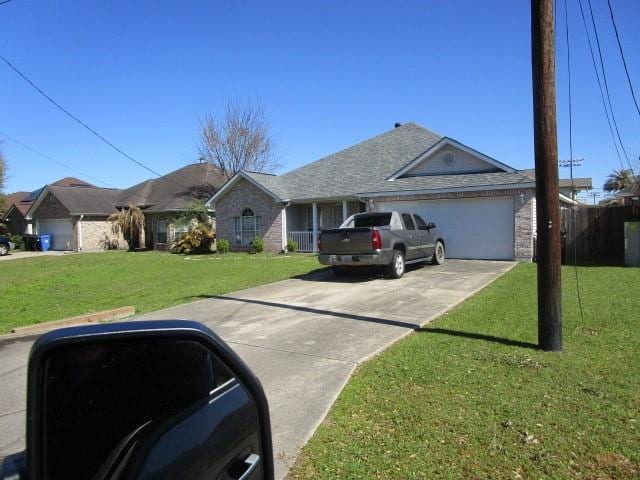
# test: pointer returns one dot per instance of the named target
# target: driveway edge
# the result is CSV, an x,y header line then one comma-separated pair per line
x,y
378,352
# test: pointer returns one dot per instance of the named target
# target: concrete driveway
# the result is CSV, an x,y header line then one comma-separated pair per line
x,y
303,337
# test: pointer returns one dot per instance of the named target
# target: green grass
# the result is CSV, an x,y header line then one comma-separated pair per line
x,y
447,405
49,288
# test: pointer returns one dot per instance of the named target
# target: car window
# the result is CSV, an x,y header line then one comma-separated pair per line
x,y
372,220
420,223
408,221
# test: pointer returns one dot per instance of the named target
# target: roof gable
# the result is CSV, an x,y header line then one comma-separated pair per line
x,y
450,157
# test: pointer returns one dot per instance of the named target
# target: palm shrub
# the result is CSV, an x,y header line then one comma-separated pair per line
x,y
258,244
223,246
128,222
197,239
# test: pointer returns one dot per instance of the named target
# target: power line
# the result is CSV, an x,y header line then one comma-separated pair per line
x,y
70,115
4,1
595,69
15,140
624,62
606,85
571,161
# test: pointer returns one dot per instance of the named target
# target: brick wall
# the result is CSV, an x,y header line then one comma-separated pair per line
x,y
522,206
96,234
245,195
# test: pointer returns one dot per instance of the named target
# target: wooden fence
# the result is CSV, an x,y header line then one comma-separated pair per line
x,y
596,233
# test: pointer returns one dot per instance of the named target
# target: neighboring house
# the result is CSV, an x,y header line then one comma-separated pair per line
x,y
485,208
569,188
75,217
19,203
168,201
16,208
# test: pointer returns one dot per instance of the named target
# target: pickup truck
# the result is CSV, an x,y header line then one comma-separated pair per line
x,y
389,240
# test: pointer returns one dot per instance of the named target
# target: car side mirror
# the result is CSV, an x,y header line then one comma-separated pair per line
x,y
431,225
159,399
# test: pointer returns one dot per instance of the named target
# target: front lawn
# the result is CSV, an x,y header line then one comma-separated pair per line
x,y
49,288
468,397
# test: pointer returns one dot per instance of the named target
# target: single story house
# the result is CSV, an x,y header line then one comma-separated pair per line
x,y
19,203
168,202
485,208
76,213
16,207
75,217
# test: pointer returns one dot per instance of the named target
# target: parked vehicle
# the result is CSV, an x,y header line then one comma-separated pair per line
x,y
5,245
389,240
140,400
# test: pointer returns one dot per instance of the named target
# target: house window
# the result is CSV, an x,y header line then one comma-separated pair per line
x,y
162,231
246,227
180,230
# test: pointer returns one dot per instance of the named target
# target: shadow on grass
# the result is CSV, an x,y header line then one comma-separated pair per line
x,y
478,336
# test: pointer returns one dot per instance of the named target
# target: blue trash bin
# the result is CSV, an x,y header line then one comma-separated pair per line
x,y
45,242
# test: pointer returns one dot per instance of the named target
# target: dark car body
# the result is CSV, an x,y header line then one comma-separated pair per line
x,y
5,245
367,239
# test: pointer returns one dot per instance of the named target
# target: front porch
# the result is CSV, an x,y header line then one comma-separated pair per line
x,y
305,221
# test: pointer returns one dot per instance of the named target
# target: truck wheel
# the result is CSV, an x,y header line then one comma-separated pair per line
x,y
340,271
396,269
438,255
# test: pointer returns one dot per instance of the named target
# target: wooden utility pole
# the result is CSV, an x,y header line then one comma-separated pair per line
x,y
546,153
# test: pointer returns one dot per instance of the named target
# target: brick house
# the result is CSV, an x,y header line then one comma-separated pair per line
x,y
75,213
485,208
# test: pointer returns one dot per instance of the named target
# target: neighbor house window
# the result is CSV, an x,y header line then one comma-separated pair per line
x,y
162,231
246,227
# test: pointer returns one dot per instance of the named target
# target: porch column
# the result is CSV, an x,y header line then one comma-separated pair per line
x,y
285,235
345,210
79,232
315,227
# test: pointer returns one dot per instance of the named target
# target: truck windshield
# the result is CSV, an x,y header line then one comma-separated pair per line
x,y
372,220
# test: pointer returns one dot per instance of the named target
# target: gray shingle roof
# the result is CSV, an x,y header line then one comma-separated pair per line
x,y
86,200
353,169
175,191
442,182
364,168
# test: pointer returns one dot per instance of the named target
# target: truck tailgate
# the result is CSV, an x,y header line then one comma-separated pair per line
x,y
346,241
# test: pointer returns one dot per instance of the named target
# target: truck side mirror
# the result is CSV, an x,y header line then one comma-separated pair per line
x,y
431,225
160,399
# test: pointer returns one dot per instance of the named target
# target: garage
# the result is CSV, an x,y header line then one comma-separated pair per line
x,y
61,232
475,228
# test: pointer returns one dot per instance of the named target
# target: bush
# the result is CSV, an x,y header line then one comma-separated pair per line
x,y
197,239
223,246
19,241
258,244
292,246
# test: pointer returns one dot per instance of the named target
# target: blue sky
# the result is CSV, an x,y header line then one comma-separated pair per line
x,y
329,73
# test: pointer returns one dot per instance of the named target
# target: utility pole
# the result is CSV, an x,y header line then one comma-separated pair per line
x,y
547,193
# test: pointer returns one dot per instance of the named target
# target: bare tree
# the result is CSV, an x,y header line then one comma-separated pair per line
x,y
239,141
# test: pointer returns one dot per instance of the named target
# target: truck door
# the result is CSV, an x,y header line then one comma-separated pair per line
x,y
411,235
426,242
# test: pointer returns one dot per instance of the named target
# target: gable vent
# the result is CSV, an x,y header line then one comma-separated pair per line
x,y
448,158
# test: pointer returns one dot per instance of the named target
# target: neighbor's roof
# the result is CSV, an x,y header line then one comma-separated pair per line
x,y
86,201
580,183
19,201
174,191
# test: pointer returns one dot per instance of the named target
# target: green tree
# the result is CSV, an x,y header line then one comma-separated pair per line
x,y
128,222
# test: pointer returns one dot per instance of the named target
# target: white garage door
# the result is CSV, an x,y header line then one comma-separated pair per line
x,y
61,232
479,228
